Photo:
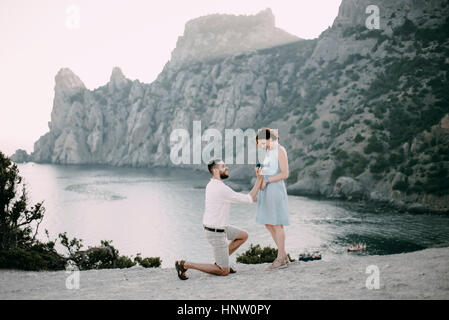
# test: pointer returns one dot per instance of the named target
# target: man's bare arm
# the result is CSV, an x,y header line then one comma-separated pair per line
x,y
255,189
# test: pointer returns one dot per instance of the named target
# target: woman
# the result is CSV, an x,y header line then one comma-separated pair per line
x,y
272,205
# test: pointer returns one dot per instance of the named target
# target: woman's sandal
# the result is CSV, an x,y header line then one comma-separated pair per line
x,y
281,264
181,270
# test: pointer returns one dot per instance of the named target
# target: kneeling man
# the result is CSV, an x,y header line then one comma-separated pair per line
x,y
219,196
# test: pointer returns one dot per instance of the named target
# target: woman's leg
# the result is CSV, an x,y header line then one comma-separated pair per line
x,y
278,235
279,239
270,229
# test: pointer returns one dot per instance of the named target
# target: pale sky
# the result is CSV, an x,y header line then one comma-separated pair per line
x,y
37,38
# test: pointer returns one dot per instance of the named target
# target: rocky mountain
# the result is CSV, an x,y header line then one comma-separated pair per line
x,y
221,35
21,156
362,113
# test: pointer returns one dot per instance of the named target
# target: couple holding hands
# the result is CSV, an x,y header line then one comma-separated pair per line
x,y
269,192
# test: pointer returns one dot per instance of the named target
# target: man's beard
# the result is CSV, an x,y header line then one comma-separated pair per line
x,y
224,175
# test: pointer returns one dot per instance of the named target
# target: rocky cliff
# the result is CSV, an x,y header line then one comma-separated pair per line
x,y
221,35
363,113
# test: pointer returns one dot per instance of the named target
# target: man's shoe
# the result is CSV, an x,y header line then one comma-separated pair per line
x,y
181,270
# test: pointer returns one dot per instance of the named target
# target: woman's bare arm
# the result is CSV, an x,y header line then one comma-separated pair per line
x,y
283,165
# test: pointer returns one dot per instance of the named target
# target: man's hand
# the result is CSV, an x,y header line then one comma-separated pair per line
x,y
263,184
254,198
260,176
256,186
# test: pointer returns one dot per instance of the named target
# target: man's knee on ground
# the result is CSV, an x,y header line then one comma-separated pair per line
x,y
225,271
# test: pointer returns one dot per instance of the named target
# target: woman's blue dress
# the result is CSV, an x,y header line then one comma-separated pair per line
x,y
272,202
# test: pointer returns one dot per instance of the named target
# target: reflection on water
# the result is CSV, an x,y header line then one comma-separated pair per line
x,y
158,212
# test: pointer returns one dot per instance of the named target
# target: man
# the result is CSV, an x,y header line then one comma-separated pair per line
x,y
215,222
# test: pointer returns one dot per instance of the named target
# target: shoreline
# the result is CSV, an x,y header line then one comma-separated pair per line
x,y
415,275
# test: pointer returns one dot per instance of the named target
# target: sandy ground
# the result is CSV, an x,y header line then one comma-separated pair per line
x,y
417,275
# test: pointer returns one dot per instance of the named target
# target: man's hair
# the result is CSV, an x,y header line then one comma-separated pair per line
x,y
212,164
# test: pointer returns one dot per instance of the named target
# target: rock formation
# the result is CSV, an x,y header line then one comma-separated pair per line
x,y
221,35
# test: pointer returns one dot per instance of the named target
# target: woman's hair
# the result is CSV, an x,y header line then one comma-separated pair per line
x,y
266,133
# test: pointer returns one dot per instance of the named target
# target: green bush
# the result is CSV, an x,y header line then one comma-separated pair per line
x,y
438,181
379,166
124,262
292,129
340,154
293,176
358,138
336,173
397,158
255,255
309,130
35,258
151,262
401,186
334,129
357,164
310,160
374,145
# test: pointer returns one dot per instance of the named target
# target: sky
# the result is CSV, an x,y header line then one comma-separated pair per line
x,y
91,37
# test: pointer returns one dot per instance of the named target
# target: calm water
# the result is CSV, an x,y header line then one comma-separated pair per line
x,y
158,212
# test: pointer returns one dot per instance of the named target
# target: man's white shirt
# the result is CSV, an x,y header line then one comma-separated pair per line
x,y
218,200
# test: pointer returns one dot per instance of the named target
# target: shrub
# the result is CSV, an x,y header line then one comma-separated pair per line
x,y
255,255
310,160
37,257
309,130
151,262
340,154
374,145
397,158
358,138
401,186
293,176
334,129
438,182
124,262
379,166
336,173
357,164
